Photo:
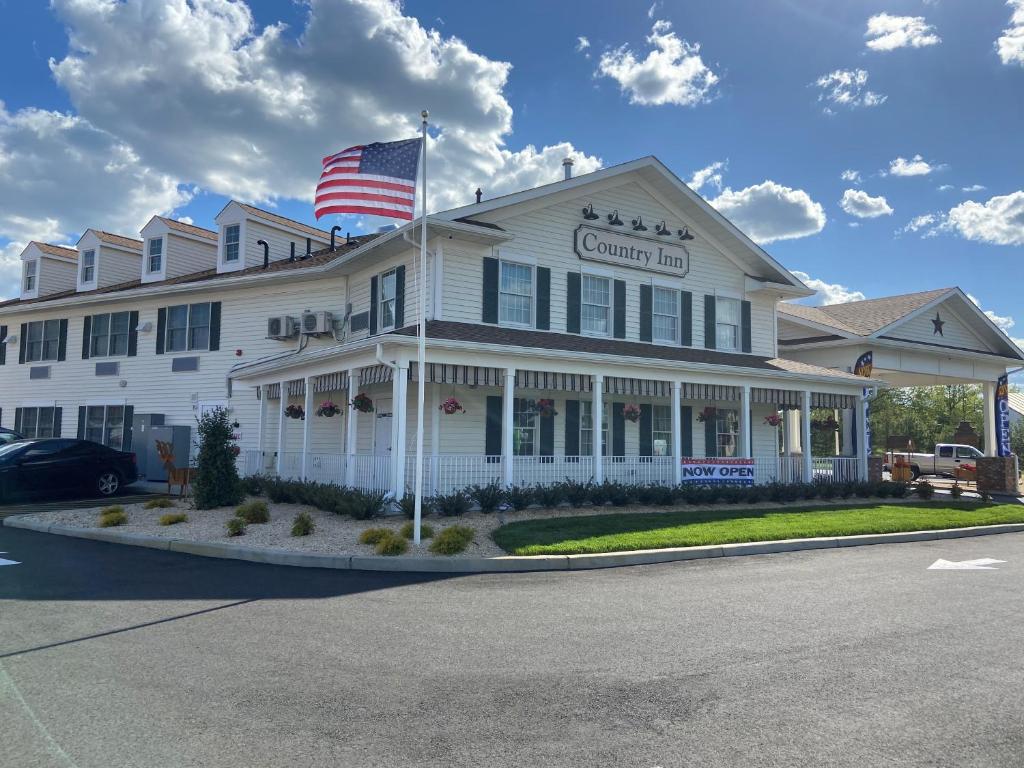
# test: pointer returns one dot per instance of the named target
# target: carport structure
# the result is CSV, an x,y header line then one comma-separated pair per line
x,y
920,339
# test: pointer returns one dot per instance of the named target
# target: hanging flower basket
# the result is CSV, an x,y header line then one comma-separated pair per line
x,y
362,403
295,412
773,420
826,425
451,406
544,407
328,409
631,412
707,414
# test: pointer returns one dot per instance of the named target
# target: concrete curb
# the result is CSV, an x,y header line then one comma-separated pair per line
x,y
507,564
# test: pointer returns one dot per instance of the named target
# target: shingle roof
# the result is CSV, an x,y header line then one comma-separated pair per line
x,y
864,317
285,221
56,250
813,315
189,229
118,240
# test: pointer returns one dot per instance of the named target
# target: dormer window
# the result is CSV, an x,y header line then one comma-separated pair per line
x,y
155,255
232,242
30,275
88,266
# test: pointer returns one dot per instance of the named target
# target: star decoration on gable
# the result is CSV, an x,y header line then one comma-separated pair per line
x,y
937,324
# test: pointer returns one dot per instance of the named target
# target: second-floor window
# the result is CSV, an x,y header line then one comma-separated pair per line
x,y
232,242
596,312
188,328
42,340
665,320
727,324
30,275
388,282
88,266
108,335
155,261
515,294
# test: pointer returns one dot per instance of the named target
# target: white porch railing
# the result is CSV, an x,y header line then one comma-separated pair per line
x,y
836,469
640,470
779,469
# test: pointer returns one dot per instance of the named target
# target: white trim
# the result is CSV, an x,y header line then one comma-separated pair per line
x,y
532,264
161,274
510,254
34,292
610,277
381,328
106,402
90,285
38,404
236,265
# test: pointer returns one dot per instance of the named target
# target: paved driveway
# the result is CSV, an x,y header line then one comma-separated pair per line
x,y
121,656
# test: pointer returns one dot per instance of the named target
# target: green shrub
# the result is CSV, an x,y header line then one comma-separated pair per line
x,y
236,526
253,485
732,494
519,497
956,491
112,516
618,494
216,483
864,490
488,497
549,496
577,493
363,505
453,504
598,494
392,545
173,518
113,509
161,503
407,505
374,535
426,531
254,511
924,490
452,540
302,525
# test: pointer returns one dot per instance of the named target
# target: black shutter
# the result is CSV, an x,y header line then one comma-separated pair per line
x,y
547,435
133,334
373,305
126,431
543,299
618,429
572,427
711,437
492,440
81,422
62,342
686,421
214,326
490,298
400,296
3,347
745,325
22,342
646,314
686,314
620,309
709,322
17,420
58,418
86,336
646,430
161,329
572,305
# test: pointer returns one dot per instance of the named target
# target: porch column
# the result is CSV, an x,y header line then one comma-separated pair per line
x,y
989,420
787,432
435,435
307,434
744,447
261,431
849,425
399,407
507,413
862,437
597,417
677,434
835,415
805,434
351,427
282,423
793,417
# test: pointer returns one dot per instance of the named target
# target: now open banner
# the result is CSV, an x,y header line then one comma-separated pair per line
x,y
718,471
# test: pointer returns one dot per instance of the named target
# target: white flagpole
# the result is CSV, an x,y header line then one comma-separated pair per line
x,y
421,369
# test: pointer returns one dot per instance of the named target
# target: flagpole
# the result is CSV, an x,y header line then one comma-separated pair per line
x,y
421,358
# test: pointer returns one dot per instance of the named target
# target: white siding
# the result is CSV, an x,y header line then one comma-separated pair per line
x,y
184,256
54,276
955,332
115,266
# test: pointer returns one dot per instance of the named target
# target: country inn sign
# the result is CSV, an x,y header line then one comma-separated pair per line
x,y
617,357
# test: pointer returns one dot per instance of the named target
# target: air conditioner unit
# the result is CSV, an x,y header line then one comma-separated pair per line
x,y
283,327
317,322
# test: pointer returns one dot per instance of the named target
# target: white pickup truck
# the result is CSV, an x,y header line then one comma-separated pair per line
x,y
946,460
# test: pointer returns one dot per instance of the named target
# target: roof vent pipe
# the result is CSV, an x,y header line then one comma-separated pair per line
x,y
334,229
567,165
348,238
291,257
309,248
479,194
266,252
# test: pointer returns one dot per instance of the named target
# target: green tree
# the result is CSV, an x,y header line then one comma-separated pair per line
x,y
1017,437
217,483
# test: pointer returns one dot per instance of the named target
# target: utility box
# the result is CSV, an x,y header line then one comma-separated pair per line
x,y
142,425
180,439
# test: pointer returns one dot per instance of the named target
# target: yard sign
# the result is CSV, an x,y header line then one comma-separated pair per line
x,y
718,471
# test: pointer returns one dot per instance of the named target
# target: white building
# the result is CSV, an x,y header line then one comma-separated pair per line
x,y
615,309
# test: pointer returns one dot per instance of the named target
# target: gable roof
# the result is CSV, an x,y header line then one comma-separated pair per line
x,y
55,250
283,221
111,239
189,229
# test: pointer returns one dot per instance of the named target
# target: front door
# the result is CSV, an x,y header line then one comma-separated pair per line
x,y
382,428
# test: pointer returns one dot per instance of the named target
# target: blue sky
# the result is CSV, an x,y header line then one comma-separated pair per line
x,y
114,111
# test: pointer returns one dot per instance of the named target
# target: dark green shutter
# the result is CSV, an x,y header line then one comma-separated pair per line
x,y
86,336
3,347
745,325
62,342
572,303
543,299
572,427
58,418
710,333
646,430
126,432
400,296
547,435
81,422
686,421
373,305
492,439
161,329
133,334
214,326
22,342
620,309
618,430
17,420
646,313
686,314
490,302
711,437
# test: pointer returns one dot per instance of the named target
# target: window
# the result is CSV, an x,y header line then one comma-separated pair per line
x,y
524,427
515,294
727,425
188,328
38,422
30,275
88,266
665,325
232,241
727,320
386,318
967,453
945,451
587,428
105,424
661,429
42,341
155,262
597,308
108,335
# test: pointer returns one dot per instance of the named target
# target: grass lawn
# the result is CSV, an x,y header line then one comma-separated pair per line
x,y
623,532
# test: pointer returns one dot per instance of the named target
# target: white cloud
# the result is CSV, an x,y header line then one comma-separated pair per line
x,y
915,166
828,293
671,73
945,187
653,10
926,221
999,221
768,211
712,175
851,176
847,88
186,220
1010,44
582,43
973,188
887,33
859,203
1003,322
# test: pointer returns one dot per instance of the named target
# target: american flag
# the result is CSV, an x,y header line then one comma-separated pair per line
x,y
378,179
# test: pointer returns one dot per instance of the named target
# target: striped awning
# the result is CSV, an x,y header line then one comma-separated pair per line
x,y
828,400
786,398
468,375
711,392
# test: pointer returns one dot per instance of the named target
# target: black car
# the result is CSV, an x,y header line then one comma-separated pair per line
x,y
55,465
8,436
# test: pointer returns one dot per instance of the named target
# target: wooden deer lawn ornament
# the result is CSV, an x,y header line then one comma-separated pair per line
x,y
182,477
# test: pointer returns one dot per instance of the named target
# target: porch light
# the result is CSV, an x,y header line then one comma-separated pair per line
x,y
684,234
588,212
613,218
638,224
662,230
